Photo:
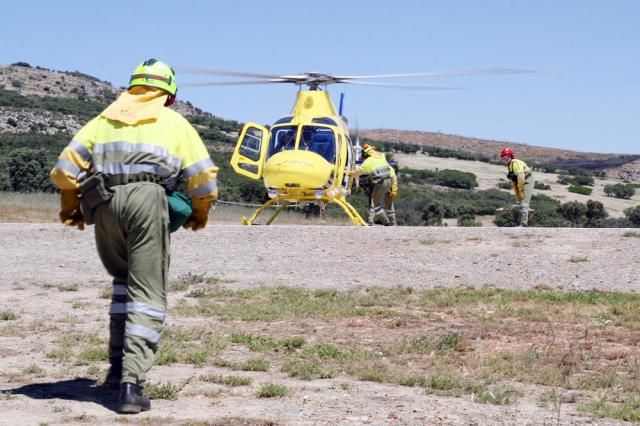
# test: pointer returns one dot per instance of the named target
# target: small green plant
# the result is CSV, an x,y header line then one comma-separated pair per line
x,y
541,186
271,390
254,364
68,287
167,391
293,343
578,259
227,380
449,342
631,234
106,292
503,396
34,369
197,292
92,354
78,304
4,395
255,343
6,315
307,370
184,281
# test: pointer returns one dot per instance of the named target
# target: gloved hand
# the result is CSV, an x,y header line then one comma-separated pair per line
x,y
198,219
70,213
394,191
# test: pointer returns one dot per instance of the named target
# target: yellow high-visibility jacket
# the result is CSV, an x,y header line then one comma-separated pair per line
x,y
163,147
377,167
518,173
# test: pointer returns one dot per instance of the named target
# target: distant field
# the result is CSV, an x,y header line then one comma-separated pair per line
x,y
488,176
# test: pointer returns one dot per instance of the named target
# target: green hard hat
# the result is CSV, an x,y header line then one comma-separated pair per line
x,y
155,73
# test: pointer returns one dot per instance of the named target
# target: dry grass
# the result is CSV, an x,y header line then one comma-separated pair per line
x,y
481,343
30,207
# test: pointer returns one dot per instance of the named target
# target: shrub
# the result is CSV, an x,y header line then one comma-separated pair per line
x,y
595,213
468,219
633,215
29,171
579,189
505,184
546,212
456,179
541,186
433,214
583,180
508,218
574,211
620,190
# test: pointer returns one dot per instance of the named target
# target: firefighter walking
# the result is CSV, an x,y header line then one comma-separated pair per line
x,y
384,186
522,180
117,172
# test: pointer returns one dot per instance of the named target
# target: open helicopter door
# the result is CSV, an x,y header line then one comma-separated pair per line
x,y
248,156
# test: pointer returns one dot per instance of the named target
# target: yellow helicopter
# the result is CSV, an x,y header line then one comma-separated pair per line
x,y
305,156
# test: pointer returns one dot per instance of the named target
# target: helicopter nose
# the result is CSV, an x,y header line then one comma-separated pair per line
x,y
297,169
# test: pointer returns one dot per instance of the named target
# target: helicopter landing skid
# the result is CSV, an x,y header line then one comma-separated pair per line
x,y
354,216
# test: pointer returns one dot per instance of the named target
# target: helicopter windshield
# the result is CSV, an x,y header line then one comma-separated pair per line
x,y
282,139
319,140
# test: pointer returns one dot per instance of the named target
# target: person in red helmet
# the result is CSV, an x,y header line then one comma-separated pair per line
x,y
522,179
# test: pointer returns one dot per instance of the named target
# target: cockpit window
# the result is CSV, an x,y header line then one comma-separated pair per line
x,y
282,139
320,140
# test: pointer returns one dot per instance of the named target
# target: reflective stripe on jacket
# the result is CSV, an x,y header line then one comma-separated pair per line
x,y
518,173
376,166
163,148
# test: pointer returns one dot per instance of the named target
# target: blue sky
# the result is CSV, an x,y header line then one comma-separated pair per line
x,y
588,99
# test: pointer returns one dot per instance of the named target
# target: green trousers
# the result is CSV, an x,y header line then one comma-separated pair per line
x,y
526,201
132,238
381,208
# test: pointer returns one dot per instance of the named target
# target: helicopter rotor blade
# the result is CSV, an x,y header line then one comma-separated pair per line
x,y
493,71
205,71
399,86
234,83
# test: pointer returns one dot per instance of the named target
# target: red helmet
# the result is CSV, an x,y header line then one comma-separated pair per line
x,y
507,151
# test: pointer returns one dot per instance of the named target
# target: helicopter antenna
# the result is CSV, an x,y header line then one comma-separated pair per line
x,y
341,104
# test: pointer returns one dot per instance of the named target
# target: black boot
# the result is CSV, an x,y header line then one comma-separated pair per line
x,y
132,400
112,381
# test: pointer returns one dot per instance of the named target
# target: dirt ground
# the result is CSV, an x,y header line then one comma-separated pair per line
x,y
38,260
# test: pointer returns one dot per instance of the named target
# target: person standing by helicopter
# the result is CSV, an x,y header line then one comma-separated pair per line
x,y
119,172
522,180
384,186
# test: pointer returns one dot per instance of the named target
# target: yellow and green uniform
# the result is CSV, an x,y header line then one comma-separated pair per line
x,y
131,229
523,182
382,177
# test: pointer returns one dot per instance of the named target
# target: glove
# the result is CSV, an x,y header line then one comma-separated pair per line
x,y
198,219
394,191
70,213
